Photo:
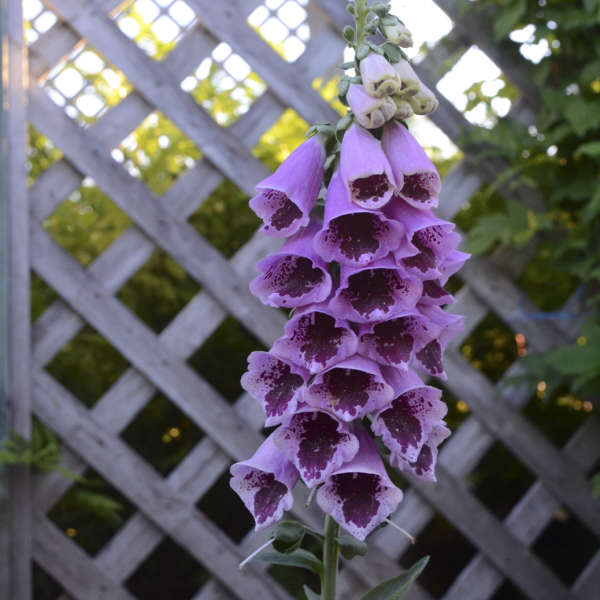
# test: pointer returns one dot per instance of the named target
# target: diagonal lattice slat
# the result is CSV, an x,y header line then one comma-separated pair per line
x,y
158,361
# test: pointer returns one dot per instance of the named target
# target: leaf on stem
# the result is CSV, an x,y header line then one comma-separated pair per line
x,y
310,595
298,558
397,587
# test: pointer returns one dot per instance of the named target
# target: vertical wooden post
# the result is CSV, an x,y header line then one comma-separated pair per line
x,y
15,413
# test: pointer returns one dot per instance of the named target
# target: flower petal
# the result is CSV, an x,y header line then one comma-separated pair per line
x,y
360,495
365,169
406,424
350,389
351,235
264,483
421,182
295,275
424,465
286,197
316,339
276,384
317,444
429,358
376,292
395,341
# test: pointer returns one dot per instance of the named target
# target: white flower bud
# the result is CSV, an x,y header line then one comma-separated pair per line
x,y
403,108
398,34
378,76
424,101
369,111
409,80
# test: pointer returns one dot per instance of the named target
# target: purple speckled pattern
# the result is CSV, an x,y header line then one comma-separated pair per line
x,y
365,277
359,495
264,483
316,443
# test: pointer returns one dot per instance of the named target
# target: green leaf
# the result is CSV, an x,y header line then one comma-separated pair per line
x,y
397,587
343,87
299,558
310,595
351,547
488,230
590,5
509,18
362,51
392,52
592,208
589,149
288,536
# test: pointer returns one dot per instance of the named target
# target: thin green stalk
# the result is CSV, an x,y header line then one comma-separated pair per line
x,y
360,15
330,559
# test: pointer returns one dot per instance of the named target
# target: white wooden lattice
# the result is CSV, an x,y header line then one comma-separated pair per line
x,y
158,362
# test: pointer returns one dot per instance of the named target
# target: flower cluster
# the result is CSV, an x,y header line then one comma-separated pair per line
x,y
365,279
388,91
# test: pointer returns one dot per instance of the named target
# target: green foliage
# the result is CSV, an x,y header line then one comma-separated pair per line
x,y
397,587
41,452
310,595
559,159
287,536
351,547
298,558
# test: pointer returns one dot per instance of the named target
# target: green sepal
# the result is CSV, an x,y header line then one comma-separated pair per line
x,y
377,49
342,126
351,547
288,536
397,587
325,129
328,162
371,26
380,8
343,87
310,595
392,52
298,558
348,34
348,65
390,20
362,51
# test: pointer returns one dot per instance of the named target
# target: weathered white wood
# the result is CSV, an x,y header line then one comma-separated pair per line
x,y
475,438
70,565
15,409
478,525
588,582
281,77
479,579
178,238
141,484
190,480
141,347
559,474
161,88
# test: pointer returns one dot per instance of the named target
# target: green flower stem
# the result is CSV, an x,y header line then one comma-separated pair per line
x,y
360,15
330,559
